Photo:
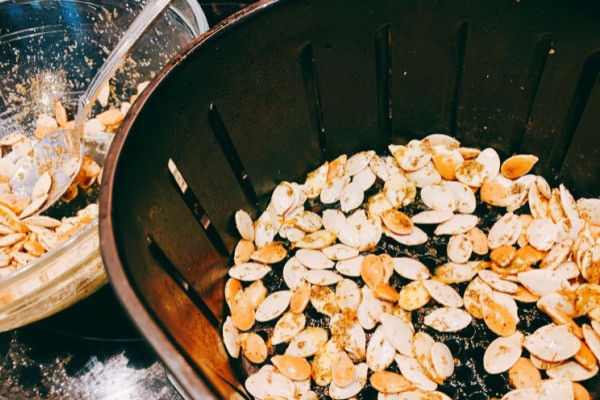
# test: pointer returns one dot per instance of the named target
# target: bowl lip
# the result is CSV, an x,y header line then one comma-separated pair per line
x,y
180,366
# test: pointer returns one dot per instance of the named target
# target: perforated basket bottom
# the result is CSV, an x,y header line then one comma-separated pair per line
x,y
470,380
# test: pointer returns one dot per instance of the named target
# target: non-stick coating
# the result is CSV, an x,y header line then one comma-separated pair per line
x,y
284,85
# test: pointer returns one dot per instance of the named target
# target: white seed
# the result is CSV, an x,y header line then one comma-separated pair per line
x,y
413,371
395,189
443,293
442,360
557,254
378,307
358,162
552,343
497,283
572,371
558,302
352,196
503,353
471,173
556,389
541,234
589,210
315,181
490,160
313,259
520,191
542,281
273,306
459,248
283,197
378,204
464,196
380,352
244,225
379,167
33,206
410,269
362,313
398,332
364,179
428,175
415,238
293,273
338,393
339,252
333,220
268,382
42,185
347,295
522,394
349,235
264,230
307,342
432,217
502,230
459,223
322,277
332,191
370,234
288,327
309,221
438,197
568,203
249,272
231,338
317,240
350,267
448,319
457,273
441,140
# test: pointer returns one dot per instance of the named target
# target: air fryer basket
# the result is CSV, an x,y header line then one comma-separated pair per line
x,y
279,87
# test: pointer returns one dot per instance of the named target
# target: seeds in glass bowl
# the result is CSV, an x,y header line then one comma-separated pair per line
x,y
433,272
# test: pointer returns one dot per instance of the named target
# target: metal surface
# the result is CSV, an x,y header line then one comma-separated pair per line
x,y
268,95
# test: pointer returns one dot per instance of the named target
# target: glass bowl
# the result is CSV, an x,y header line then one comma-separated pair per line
x,y
50,50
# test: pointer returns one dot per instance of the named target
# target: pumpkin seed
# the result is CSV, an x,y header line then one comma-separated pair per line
x,y
448,319
503,353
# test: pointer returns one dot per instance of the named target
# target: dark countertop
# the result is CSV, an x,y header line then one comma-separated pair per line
x,y
89,351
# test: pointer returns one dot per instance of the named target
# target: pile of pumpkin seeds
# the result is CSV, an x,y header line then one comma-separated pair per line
x,y
24,235
544,249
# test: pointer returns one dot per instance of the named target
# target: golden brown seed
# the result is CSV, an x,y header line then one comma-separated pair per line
x,y
445,164
389,382
528,256
110,117
300,298
479,240
342,369
371,270
525,296
517,166
256,293
580,393
270,253
585,356
243,251
524,374
397,222
60,114
494,193
294,368
254,348
468,152
337,168
242,312
413,296
503,255
497,317
232,287
385,292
